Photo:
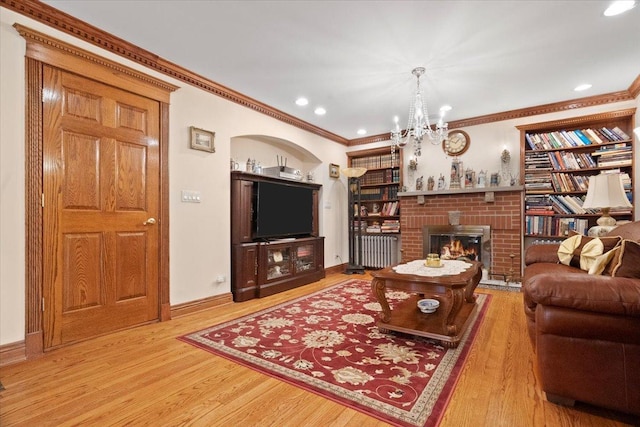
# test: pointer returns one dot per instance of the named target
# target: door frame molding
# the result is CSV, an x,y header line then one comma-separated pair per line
x,y
42,49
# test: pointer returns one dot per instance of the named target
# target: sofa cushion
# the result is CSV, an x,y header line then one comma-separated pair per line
x,y
581,251
627,263
628,231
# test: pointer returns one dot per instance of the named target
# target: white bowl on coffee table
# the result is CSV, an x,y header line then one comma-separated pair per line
x,y
428,305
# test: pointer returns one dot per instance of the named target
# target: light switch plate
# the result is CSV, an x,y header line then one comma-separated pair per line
x,y
189,196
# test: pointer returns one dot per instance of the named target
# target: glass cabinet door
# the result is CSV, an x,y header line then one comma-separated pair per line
x,y
278,263
305,257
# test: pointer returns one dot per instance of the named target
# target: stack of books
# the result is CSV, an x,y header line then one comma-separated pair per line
x,y
374,228
537,174
390,226
538,205
618,155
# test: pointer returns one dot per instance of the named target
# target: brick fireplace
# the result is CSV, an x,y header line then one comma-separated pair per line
x,y
503,215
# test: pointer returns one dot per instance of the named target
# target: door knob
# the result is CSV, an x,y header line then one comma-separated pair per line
x,y
150,221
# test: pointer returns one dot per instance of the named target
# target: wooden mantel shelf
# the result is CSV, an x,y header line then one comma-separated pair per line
x,y
461,191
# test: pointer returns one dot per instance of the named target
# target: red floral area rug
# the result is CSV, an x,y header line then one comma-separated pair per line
x,y
328,343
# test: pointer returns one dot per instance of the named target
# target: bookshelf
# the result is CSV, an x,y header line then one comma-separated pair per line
x,y
380,208
558,157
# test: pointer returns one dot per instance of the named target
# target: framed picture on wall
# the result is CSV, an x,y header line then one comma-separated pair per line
x,y
202,140
334,170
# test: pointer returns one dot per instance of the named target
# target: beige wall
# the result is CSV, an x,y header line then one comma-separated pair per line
x,y
199,240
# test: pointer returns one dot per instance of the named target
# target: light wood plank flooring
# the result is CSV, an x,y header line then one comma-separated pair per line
x,y
145,376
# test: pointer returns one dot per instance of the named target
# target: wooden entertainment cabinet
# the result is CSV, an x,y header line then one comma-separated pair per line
x,y
264,267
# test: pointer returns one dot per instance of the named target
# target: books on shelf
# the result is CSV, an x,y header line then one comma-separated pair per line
x,y
390,208
556,204
376,162
379,188
385,193
558,163
389,176
566,182
571,161
537,176
537,225
574,138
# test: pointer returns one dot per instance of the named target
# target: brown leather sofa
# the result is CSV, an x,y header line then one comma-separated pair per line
x,y
585,329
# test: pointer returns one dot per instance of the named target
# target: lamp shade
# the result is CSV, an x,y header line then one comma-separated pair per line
x,y
606,191
353,172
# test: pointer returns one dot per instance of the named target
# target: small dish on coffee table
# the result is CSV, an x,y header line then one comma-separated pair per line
x,y
428,305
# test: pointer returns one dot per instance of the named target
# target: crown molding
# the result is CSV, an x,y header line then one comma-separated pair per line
x,y
634,89
61,21
555,107
45,48
569,122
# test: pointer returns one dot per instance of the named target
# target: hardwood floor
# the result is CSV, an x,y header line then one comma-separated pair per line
x,y
145,376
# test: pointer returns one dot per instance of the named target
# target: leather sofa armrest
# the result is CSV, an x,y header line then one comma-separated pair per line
x,y
547,252
579,291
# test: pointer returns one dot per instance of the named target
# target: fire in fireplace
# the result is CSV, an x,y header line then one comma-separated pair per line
x,y
455,241
452,247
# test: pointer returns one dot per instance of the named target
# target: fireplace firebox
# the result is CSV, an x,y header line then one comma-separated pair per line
x,y
455,241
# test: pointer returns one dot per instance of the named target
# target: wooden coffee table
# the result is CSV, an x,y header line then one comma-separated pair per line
x,y
450,320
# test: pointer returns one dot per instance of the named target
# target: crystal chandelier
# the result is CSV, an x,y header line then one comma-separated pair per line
x,y
418,125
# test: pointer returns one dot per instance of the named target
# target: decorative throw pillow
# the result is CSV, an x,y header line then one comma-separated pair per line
x,y
628,263
567,249
604,263
581,251
590,251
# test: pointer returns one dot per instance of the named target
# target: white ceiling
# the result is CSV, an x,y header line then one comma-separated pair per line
x,y
355,58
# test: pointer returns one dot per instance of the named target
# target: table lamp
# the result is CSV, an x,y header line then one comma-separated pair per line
x,y
605,192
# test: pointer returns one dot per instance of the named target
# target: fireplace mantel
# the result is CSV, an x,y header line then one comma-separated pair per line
x,y
460,191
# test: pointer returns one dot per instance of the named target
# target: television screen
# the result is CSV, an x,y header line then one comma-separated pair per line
x,y
282,210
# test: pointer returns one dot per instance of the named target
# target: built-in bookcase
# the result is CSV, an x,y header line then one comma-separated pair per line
x,y
380,211
558,158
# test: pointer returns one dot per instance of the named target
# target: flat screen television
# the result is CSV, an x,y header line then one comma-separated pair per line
x,y
282,210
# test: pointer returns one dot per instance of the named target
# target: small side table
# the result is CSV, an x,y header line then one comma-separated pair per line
x,y
600,230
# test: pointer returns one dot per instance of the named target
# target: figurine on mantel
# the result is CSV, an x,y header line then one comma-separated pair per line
x,y
420,183
469,178
441,182
505,169
495,180
430,183
482,179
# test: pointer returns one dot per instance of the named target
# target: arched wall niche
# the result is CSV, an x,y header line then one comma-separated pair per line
x,y
269,150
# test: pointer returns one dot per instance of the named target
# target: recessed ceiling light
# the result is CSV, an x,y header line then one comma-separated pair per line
x,y
302,101
320,111
445,108
582,87
362,132
618,7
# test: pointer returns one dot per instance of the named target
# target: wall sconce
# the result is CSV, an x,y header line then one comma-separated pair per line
x,y
413,163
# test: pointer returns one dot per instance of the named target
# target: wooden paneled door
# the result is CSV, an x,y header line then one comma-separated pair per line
x,y
101,205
